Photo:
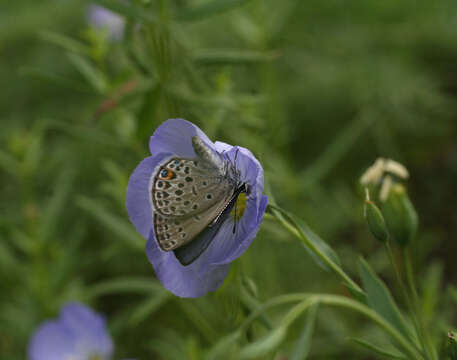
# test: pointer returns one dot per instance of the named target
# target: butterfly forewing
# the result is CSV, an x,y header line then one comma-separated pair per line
x,y
185,187
186,196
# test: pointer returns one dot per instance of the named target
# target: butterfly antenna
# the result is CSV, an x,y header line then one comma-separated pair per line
x,y
234,223
236,155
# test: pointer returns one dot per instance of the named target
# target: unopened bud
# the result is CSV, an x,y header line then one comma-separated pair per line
x,y
452,345
400,215
375,221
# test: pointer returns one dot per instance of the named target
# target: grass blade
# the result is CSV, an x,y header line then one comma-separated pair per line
x,y
211,8
303,345
264,345
136,285
376,349
117,225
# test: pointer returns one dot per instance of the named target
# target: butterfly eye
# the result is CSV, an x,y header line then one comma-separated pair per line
x,y
164,173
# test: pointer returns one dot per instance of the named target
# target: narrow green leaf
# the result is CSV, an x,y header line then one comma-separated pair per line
x,y
376,349
151,99
223,346
124,285
303,345
335,151
92,75
431,289
95,135
120,227
315,241
166,349
197,317
380,299
149,306
357,294
56,205
208,9
319,243
263,346
315,246
231,56
253,304
65,42
54,79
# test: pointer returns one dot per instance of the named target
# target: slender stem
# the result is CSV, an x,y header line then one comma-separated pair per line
x,y
427,345
307,299
406,298
341,301
396,270
282,299
302,237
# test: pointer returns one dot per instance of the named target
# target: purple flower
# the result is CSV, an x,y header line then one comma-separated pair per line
x,y
78,334
173,139
102,18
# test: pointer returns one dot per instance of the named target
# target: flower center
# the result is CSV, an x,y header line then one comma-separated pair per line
x,y
240,206
95,357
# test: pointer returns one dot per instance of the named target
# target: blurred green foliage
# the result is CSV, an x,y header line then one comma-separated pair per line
x,y
316,89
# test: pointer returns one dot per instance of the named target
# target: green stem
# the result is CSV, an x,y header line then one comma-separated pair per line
x,y
295,230
406,298
279,300
341,301
307,299
427,345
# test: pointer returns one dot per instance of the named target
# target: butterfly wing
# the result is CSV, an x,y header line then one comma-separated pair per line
x,y
186,196
183,187
173,232
189,252
190,200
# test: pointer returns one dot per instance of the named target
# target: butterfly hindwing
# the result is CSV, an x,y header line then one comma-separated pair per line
x,y
173,232
189,252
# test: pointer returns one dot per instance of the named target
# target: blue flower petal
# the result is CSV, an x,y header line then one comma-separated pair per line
x,y
88,328
77,334
103,18
138,201
175,136
51,342
185,281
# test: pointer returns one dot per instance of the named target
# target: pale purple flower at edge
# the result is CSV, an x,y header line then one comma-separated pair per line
x,y
77,334
174,139
103,18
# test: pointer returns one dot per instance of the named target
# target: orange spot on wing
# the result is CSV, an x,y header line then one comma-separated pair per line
x,y
170,175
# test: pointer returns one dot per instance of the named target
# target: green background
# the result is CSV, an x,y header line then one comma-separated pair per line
x,y
317,90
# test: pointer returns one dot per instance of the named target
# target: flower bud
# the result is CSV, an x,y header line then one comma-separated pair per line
x,y
375,221
400,215
452,345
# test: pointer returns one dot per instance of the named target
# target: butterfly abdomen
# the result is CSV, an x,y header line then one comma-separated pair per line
x,y
205,153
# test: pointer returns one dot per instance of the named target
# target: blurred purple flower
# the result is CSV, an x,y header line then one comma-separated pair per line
x,y
207,273
78,334
103,18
